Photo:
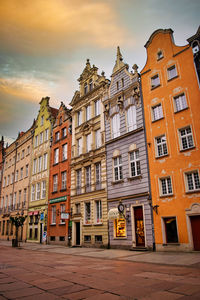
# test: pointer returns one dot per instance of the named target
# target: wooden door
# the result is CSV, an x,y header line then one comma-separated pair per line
x,y
195,224
139,226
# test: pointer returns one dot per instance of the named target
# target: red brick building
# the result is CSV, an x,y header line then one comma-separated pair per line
x,y
60,179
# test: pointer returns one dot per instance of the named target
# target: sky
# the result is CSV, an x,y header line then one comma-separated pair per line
x,y
44,45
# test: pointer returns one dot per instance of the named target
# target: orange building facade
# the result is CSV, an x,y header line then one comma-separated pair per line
x,y
60,179
171,99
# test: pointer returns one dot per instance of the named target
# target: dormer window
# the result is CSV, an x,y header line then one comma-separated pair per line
x,y
159,55
85,88
195,47
90,85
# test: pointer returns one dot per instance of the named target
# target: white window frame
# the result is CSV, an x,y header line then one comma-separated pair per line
x,y
53,214
46,136
56,156
117,168
161,146
38,190
88,142
64,180
55,182
97,107
131,118
57,136
79,118
26,174
157,112
87,212
21,172
39,163
43,189
79,146
16,175
64,151
186,138
25,194
64,132
180,102
171,72
98,210
115,121
34,166
98,138
41,137
88,113
192,180
45,161
155,81
36,141
33,192
165,183
134,163
42,120
62,210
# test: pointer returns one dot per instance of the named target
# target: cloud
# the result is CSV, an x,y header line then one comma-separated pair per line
x,y
47,27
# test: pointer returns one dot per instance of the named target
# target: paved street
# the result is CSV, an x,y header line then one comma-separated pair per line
x,y
56,272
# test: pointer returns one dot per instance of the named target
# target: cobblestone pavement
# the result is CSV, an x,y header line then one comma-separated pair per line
x,y
54,272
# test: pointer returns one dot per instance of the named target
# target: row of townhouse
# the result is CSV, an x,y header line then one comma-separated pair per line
x,y
121,167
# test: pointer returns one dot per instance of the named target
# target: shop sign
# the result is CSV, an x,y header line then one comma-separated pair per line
x,y
65,216
59,199
113,213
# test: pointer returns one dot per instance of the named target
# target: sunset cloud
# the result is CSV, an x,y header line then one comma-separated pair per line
x,y
47,26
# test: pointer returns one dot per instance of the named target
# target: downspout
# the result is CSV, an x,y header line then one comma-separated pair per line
x,y
147,158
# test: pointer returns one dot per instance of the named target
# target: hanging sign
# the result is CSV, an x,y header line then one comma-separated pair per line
x,y
113,213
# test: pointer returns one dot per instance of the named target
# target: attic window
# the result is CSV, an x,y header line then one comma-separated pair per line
x,y
159,55
90,85
195,47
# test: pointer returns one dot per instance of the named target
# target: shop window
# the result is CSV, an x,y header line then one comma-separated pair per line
x,y
36,233
120,227
87,238
98,239
171,230
30,233
61,238
52,238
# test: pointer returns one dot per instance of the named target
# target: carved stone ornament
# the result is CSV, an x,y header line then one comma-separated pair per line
x,y
136,95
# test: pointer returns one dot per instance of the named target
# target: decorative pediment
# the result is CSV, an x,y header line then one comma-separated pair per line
x,y
75,98
88,72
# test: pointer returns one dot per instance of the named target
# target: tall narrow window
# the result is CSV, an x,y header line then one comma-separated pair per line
x,y
27,170
79,146
87,213
79,118
64,152
115,126
57,136
56,155
36,140
88,142
33,192
25,196
62,210
166,186
180,102
55,183
161,146
64,180
64,132
85,88
45,161
88,179
90,85
97,108
42,120
53,214
87,112
118,168
98,175
135,163
46,134
20,197
40,164
14,199
43,189
186,138
16,175
34,166
155,81
38,191
78,181
98,138
41,137
131,118
98,212
157,112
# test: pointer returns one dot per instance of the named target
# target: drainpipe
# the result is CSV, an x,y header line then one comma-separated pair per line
x,y
147,158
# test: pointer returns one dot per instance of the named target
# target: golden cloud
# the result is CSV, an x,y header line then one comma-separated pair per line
x,y
57,25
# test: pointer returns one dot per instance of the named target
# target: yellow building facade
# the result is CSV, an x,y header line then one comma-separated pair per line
x,y
39,178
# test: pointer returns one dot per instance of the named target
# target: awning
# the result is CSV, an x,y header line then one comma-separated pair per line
x,y
30,213
113,213
35,212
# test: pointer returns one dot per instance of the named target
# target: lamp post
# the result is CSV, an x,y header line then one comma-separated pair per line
x,y
18,221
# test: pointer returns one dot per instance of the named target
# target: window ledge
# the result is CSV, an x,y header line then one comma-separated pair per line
x,y
87,224
60,224
54,192
53,224
153,121
165,155
121,238
170,79
98,224
182,150
177,111
166,196
117,181
135,177
171,244
193,191
55,164
158,59
154,87
64,160
63,190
